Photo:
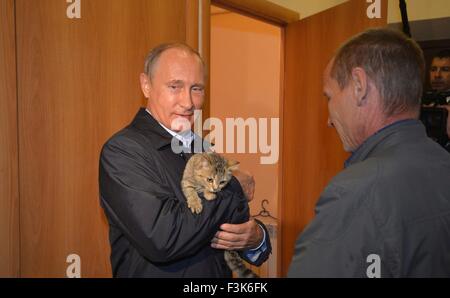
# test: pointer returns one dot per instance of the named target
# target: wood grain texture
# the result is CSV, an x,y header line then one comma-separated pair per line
x,y
197,37
206,54
281,156
9,187
312,153
192,24
78,84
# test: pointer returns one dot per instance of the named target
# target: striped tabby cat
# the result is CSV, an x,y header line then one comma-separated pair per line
x,y
208,173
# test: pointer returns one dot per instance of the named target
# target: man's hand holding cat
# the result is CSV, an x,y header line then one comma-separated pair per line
x,y
244,236
247,183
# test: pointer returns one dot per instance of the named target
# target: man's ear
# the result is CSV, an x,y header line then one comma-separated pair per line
x,y
360,85
145,84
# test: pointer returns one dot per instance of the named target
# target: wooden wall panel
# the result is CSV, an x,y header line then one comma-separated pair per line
x,y
205,51
198,14
312,153
192,25
78,84
9,189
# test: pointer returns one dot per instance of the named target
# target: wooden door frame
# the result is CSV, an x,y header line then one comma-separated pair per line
x,y
197,36
260,9
271,13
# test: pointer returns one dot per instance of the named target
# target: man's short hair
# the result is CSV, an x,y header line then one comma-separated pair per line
x,y
155,53
445,53
394,63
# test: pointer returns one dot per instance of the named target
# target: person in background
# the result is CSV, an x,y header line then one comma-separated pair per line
x,y
440,71
439,95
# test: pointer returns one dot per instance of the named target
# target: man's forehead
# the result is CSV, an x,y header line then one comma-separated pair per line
x,y
177,62
178,54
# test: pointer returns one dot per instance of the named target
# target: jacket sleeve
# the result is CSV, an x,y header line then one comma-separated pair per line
x,y
161,227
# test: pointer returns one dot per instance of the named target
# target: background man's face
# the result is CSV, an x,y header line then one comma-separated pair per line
x,y
440,74
342,111
176,88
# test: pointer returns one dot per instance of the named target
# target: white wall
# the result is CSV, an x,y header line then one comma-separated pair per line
x,y
417,9
307,8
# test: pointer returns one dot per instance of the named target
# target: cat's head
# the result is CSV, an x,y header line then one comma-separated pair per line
x,y
214,172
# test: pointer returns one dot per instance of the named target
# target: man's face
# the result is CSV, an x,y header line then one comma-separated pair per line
x,y
175,89
440,74
343,114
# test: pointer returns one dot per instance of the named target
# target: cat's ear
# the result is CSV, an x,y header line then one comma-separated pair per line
x,y
206,161
232,165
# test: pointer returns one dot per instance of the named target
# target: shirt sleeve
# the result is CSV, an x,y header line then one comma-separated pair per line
x,y
253,254
260,254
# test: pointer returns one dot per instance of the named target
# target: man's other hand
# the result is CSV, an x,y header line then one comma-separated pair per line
x,y
247,183
248,235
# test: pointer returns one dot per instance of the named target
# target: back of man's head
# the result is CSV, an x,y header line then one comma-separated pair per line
x,y
393,62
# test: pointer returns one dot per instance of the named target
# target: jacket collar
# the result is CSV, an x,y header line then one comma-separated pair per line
x,y
393,134
148,126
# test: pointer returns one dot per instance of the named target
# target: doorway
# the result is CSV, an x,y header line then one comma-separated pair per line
x,y
245,76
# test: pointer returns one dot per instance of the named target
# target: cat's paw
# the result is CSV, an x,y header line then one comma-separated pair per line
x,y
195,206
209,195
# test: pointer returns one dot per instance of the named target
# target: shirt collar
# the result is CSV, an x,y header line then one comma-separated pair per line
x,y
185,137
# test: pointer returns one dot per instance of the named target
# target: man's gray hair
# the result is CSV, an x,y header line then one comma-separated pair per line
x,y
155,53
391,60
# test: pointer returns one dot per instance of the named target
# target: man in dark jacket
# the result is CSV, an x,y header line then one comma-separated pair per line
x,y
152,231
439,95
387,214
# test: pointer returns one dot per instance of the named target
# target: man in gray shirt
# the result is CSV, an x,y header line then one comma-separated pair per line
x,y
387,214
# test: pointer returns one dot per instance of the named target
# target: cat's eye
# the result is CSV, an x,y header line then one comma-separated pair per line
x,y
222,182
210,180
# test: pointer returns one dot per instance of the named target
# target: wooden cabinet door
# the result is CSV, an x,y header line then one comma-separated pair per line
x,y
311,152
78,83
